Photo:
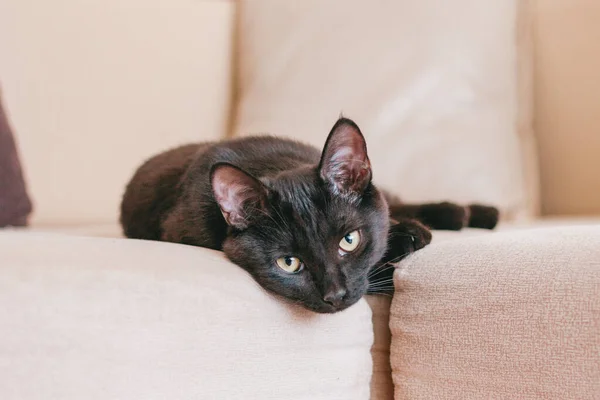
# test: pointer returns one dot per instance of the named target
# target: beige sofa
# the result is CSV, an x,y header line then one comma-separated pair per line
x,y
93,88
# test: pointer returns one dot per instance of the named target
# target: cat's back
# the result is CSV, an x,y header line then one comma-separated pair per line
x,y
195,217
152,190
179,176
259,155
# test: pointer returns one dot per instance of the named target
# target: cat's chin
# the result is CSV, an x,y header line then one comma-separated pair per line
x,y
325,308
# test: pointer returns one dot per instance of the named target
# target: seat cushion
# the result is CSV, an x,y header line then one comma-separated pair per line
x,y
507,315
86,230
100,318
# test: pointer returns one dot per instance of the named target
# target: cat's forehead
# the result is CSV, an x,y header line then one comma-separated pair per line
x,y
301,195
307,203
296,189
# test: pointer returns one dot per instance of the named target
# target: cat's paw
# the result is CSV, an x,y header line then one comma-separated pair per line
x,y
405,237
485,217
445,216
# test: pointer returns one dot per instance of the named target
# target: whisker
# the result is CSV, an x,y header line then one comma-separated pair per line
x,y
398,258
386,280
379,293
389,289
380,269
403,234
381,282
381,289
381,286
381,278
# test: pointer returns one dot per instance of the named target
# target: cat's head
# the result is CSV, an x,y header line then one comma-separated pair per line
x,y
312,234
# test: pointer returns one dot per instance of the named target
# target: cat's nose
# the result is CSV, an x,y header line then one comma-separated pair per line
x,y
335,297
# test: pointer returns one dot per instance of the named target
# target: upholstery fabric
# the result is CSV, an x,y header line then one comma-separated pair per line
x,y
97,87
434,86
567,98
86,230
94,318
507,315
15,204
382,386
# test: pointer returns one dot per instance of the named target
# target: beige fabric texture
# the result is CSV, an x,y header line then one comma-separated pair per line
x,y
92,318
507,315
382,386
94,88
381,381
433,86
567,105
525,102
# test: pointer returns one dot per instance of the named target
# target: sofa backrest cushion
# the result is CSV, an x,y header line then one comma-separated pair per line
x,y
94,88
435,87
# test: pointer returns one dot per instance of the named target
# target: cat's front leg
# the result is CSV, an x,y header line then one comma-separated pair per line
x,y
405,237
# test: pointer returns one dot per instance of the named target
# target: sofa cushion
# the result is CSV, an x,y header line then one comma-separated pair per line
x,y
567,95
438,88
507,315
99,318
95,88
382,387
15,204
86,230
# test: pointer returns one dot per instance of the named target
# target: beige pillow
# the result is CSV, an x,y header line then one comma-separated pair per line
x,y
90,318
432,84
94,88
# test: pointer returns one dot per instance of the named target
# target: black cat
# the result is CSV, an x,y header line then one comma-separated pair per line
x,y
309,226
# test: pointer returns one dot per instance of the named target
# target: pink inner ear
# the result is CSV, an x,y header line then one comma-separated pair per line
x,y
343,154
225,195
237,194
345,161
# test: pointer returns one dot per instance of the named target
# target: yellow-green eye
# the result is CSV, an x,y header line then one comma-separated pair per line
x,y
290,264
350,242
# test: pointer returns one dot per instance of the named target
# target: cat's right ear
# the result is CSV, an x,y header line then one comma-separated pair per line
x,y
239,195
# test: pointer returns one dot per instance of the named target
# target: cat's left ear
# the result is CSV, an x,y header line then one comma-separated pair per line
x,y
240,196
344,164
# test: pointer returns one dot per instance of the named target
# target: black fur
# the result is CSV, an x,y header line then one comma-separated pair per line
x,y
448,216
262,198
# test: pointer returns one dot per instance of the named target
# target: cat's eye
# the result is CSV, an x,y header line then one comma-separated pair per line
x,y
350,242
290,264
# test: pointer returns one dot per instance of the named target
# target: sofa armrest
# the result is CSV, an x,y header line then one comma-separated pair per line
x,y
96,318
511,315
